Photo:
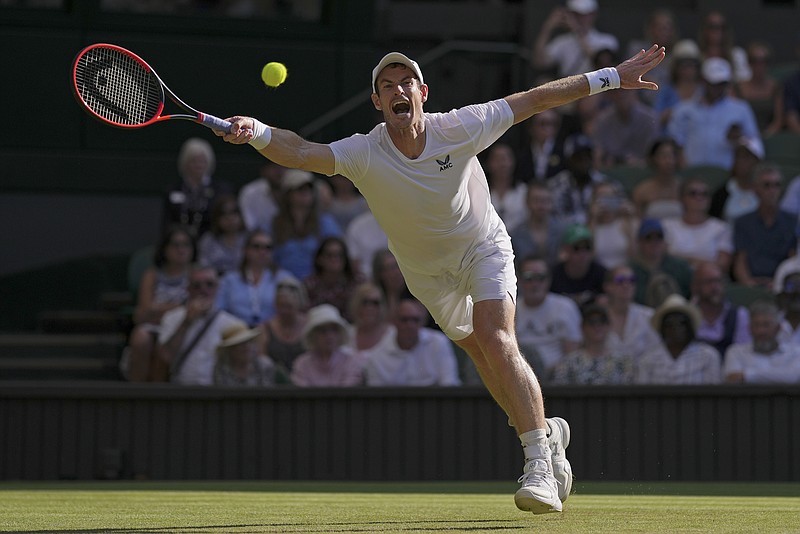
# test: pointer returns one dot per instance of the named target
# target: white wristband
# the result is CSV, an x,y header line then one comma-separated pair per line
x,y
262,135
602,80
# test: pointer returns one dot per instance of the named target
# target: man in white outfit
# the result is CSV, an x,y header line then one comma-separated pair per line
x,y
420,175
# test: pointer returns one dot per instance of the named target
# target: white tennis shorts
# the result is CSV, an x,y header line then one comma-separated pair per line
x,y
486,273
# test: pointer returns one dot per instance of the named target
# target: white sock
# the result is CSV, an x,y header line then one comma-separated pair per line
x,y
534,443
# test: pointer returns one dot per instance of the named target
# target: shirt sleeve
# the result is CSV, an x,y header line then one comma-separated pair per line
x,y
351,156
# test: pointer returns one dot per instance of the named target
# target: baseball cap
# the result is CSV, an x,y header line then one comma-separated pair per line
x,y
295,178
650,226
716,70
582,6
575,143
396,57
685,49
754,145
576,233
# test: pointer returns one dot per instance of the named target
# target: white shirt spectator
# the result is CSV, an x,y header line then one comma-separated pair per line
x,y
364,237
567,52
545,328
697,364
257,205
698,241
432,362
779,367
638,337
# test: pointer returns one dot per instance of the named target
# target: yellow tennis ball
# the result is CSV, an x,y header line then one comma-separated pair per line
x,y
273,74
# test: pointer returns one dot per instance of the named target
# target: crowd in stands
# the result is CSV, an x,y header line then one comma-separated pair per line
x,y
291,281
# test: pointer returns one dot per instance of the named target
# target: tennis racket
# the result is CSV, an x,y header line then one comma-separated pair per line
x,y
119,88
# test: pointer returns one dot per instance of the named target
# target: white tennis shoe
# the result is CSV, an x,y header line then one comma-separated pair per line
x,y
558,441
539,491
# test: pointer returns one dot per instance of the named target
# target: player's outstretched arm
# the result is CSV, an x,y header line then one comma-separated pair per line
x,y
626,75
284,147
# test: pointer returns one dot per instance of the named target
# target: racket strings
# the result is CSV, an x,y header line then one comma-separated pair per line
x,y
117,87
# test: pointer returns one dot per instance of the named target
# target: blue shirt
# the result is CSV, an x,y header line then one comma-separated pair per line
x,y
296,255
766,247
702,129
252,304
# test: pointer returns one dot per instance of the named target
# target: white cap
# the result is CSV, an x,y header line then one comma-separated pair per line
x,y
754,145
685,49
396,57
716,70
582,6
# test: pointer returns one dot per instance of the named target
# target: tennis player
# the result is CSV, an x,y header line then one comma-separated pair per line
x,y
420,175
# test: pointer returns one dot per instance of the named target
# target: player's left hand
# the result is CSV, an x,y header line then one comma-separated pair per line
x,y
632,69
241,130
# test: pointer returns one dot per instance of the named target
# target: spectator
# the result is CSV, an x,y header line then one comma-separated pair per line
x,y
791,95
299,226
709,129
595,362
766,360
657,196
333,279
162,287
578,276
765,237
788,297
364,237
259,199
660,27
240,361
685,83
541,234
571,52
346,202
328,361
548,325
716,41
736,196
188,203
722,323
613,223
572,188
221,247
624,131
762,91
372,333
653,265
696,236
249,292
631,333
542,156
190,334
791,198
283,333
679,359
419,356
387,275
785,268
508,196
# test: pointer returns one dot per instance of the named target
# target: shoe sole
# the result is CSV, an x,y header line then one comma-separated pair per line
x,y
563,427
528,503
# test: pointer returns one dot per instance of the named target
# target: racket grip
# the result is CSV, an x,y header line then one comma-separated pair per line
x,y
215,123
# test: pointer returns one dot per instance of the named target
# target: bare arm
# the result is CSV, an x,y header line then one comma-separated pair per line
x,y
566,90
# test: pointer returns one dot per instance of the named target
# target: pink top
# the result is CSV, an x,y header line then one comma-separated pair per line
x,y
343,368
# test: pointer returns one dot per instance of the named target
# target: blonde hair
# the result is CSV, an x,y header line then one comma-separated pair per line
x,y
192,147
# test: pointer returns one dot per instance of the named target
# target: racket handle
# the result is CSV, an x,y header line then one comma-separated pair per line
x,y
215,123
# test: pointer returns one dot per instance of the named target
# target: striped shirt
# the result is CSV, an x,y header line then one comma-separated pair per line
x,y
699,363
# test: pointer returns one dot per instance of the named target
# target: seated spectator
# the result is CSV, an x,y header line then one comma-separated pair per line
x,y
696,236
249,292
221,247
709,129
736,197
722,323
333,279
595,362
791,198
657,196
685,83
765,360
540,235
188,202
387,275
190,334
660,27
578,276
240,361
258,199
679,359
791,94
715,39
346,202
785,268
542,156
372,333
548,325
328,361
630,332
572,188
652,262
762,91
624,131
364,237
765,237
162,287
508,195
788,298
300,226
419,356
613,223
283,334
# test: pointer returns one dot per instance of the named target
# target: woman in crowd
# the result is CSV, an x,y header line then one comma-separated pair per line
x,y
371,331
540,234
630,331
613,223
762,91
283,334
508,196
387,275
333,279
221,247
657,197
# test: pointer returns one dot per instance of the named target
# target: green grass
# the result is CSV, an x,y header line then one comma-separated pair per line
x,y
244,507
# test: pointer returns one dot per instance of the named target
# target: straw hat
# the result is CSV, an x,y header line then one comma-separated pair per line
x,y
322,315
236,335
675,304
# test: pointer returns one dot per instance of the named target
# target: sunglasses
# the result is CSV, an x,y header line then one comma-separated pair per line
x,y
697,193
203,284
771,185
653,237
595,321
529,276
584,248
624,279
260,246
